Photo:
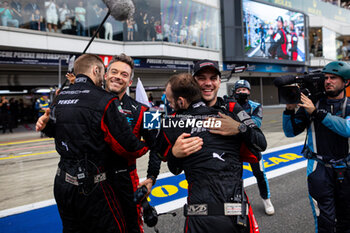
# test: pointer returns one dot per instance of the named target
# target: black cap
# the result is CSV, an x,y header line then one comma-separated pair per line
x,y
206,63
279,18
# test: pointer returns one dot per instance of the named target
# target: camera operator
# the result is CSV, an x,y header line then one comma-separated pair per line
x,y
88,130
241,92
326,148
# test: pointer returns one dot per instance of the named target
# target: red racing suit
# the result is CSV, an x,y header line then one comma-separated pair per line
x,y
125,178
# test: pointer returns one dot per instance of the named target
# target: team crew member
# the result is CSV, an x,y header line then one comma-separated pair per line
x,y
241,92
88,130
293,41
234,121
279,41
327,148
41,105
213,173
119,77
207,75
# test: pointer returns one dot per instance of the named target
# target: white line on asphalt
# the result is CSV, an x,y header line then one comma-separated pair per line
x,y
25,208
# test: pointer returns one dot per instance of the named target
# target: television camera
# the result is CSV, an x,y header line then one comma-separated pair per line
x,y
290,87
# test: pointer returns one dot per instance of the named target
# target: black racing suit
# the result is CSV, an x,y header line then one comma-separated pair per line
x,y
88,130
254,140
214,174
328,152
127,180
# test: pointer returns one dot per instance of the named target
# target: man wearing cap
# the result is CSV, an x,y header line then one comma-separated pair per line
x,y
279,41
207,75
326,148
235,121
241,93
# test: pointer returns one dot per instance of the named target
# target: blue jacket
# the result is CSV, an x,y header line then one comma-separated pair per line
x,y
328,128
254,110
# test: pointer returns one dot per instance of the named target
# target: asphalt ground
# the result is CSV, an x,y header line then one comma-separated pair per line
x,y
290,199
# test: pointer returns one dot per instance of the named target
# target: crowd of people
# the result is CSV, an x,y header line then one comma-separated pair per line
x,y
75,18
342,3
16,111
97,134
115,172
82,18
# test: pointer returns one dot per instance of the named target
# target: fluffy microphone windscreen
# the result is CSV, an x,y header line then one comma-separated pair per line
x,y
120,9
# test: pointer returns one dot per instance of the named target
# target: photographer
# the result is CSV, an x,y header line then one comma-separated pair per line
x,y
326,148
241,92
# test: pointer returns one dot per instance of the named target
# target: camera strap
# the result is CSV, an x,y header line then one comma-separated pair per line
x,y
340,166
345,110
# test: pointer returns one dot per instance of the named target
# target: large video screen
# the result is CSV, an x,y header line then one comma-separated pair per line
x,y
273,33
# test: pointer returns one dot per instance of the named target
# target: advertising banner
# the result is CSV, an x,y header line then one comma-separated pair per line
x,y
33,58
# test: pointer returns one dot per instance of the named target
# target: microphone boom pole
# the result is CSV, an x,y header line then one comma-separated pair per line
x,y
88,45
97,31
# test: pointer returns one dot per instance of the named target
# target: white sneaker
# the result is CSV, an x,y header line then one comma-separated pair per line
x,y
269,209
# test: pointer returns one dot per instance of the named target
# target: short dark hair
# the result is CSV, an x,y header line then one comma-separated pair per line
x,y
85,61
184,85
123,58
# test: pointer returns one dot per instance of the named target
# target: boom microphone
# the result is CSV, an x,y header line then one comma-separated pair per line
x,y
120,9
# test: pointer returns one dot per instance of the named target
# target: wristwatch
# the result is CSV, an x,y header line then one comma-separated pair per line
x,y
152,178
242,128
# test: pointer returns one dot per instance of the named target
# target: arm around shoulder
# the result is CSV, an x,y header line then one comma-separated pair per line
x,y
118,134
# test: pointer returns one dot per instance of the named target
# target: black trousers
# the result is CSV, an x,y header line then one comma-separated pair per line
x,y
125,184
332,197
99,211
